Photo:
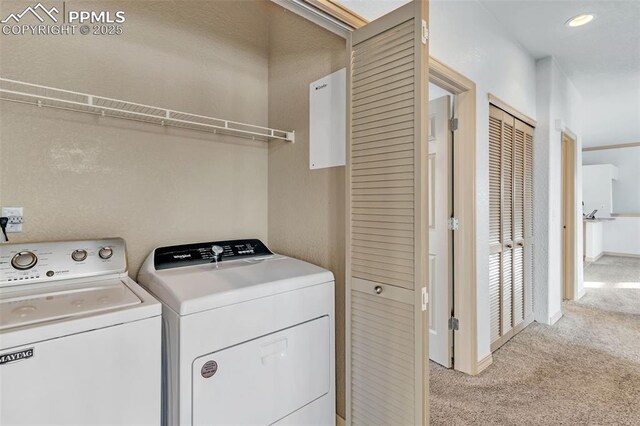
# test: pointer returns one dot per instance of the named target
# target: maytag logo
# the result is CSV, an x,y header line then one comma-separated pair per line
x,y
181,256
16,356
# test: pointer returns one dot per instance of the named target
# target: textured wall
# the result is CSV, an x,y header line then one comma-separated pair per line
x,y
557,99
306,208
80,176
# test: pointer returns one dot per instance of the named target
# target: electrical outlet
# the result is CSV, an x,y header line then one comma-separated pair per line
x,y
15,215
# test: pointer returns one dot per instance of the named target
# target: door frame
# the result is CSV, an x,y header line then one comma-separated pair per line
x,y
465,340
569,214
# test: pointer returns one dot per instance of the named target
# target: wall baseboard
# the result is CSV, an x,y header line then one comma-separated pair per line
x,y
613,253
555,317
581,293
340,421
484,363
593,259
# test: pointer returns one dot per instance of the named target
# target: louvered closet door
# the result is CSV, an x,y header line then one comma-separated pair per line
x,y
518,226
506,295
387,333
529,239
510,225
495,222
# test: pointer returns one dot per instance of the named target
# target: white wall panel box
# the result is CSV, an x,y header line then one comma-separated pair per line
x,y
327,121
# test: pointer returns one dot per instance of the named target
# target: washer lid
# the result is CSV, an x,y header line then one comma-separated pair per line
x,y
202,287
39,305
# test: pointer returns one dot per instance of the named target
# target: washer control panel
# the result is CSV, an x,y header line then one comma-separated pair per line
x,y
212,252
26,263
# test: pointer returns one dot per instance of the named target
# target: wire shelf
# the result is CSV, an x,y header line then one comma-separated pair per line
x,y
43,96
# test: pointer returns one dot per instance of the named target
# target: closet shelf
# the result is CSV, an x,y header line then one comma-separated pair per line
x,y
43,96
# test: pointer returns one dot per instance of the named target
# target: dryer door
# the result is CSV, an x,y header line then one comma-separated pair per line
x,y
263,380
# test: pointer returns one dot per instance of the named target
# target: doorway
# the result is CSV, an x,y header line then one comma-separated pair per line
x,y
452,304
568,216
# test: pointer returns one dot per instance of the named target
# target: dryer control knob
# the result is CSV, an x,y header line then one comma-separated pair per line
x,y
24,260
105,252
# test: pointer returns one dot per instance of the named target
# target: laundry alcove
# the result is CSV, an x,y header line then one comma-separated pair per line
x,y
247,62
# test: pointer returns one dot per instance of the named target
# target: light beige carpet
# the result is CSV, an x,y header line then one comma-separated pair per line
x,y
584,370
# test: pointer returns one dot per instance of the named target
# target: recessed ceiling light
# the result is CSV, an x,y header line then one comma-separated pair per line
x,y
580,20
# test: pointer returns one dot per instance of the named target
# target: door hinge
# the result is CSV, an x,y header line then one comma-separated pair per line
x,y
453,324
453,124
425,298
425,32
453,224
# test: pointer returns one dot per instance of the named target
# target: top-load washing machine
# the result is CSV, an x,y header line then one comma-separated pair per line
x,y
248,335
80,342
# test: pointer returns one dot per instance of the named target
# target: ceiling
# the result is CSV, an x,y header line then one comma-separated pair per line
x,y
606,49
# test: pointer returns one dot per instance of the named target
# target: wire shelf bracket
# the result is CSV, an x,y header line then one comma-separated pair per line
x,y
44,96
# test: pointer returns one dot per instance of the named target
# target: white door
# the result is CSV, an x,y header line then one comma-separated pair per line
x,y
440,289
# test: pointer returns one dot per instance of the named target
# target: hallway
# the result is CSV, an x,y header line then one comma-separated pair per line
x,y
583,370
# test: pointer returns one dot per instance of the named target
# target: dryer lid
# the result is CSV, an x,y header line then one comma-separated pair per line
x,y
197,288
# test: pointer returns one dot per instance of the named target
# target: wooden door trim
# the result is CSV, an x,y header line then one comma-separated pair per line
x,y
465,350
496,101
569,213
339,12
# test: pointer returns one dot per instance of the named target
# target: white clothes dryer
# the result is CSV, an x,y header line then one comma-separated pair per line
x,y
249,335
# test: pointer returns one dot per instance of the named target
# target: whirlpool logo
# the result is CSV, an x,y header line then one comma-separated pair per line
x,y
16,356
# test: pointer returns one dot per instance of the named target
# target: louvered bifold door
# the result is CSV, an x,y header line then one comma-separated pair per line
x,y
495,222
518,225
528,221
510,225
506,296
387,233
